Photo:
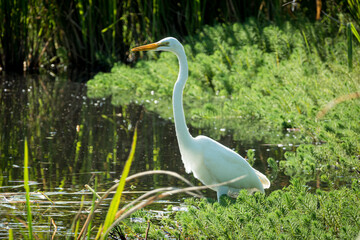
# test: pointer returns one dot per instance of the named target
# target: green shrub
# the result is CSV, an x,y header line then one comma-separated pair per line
x,y
292,213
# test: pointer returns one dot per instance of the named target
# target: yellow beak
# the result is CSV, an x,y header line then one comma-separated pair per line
x,y
147,47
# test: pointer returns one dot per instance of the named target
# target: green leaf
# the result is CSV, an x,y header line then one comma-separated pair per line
x,y
27,189
114,206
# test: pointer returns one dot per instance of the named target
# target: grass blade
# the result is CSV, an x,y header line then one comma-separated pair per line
x,y
75,226
95,195
171,191
306,42
27,189
355,32
349,41
116,199
11,235
115,186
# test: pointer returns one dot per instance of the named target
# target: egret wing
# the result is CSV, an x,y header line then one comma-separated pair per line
x,y
224,164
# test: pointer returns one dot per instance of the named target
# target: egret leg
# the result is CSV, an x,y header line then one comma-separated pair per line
x,y
223,190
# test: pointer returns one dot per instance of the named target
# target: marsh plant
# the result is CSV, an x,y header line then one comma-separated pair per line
x,y
296,212
92,34
263,83
290,83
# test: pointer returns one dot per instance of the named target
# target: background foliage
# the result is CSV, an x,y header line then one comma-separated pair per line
x,y
93,34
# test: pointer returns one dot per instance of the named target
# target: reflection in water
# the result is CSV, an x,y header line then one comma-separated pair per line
x,y
72,139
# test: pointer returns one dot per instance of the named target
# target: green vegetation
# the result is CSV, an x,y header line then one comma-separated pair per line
x,y
93,34
112,213
275,78
115,203
280,79
27,189
291,213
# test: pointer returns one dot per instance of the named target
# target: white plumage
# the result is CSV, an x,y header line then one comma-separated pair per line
x,y
209,161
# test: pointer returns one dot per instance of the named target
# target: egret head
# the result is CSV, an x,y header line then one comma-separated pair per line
x,y
167,44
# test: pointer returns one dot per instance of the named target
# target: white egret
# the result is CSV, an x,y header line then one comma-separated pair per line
x,y
210,161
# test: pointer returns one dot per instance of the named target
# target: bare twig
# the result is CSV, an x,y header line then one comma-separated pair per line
x,y
42,193
26,226
336,101
104,196
147,230
165,194
93,191
55,229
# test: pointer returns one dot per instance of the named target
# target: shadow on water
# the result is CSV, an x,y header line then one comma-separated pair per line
x,y
73,138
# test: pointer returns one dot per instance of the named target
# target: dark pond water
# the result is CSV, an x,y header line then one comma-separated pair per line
x,y
73,139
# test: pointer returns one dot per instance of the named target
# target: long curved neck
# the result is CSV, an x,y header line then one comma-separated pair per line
x,y
182,131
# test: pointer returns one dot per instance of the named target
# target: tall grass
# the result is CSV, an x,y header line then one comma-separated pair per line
x,y
27,34
87,32
114,206
14,33
27,189
93,34
350,47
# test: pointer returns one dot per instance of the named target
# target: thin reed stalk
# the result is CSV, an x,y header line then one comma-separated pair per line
x,y
93,34
76,221
349,43
27,189
14,33
170,192
117,197
95,195
146,199
11,235
335,102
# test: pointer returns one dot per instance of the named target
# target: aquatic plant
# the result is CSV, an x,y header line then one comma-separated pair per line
x,y
13,27
296,212
27,189
277,78
94,34
114,205
110,217
27,35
